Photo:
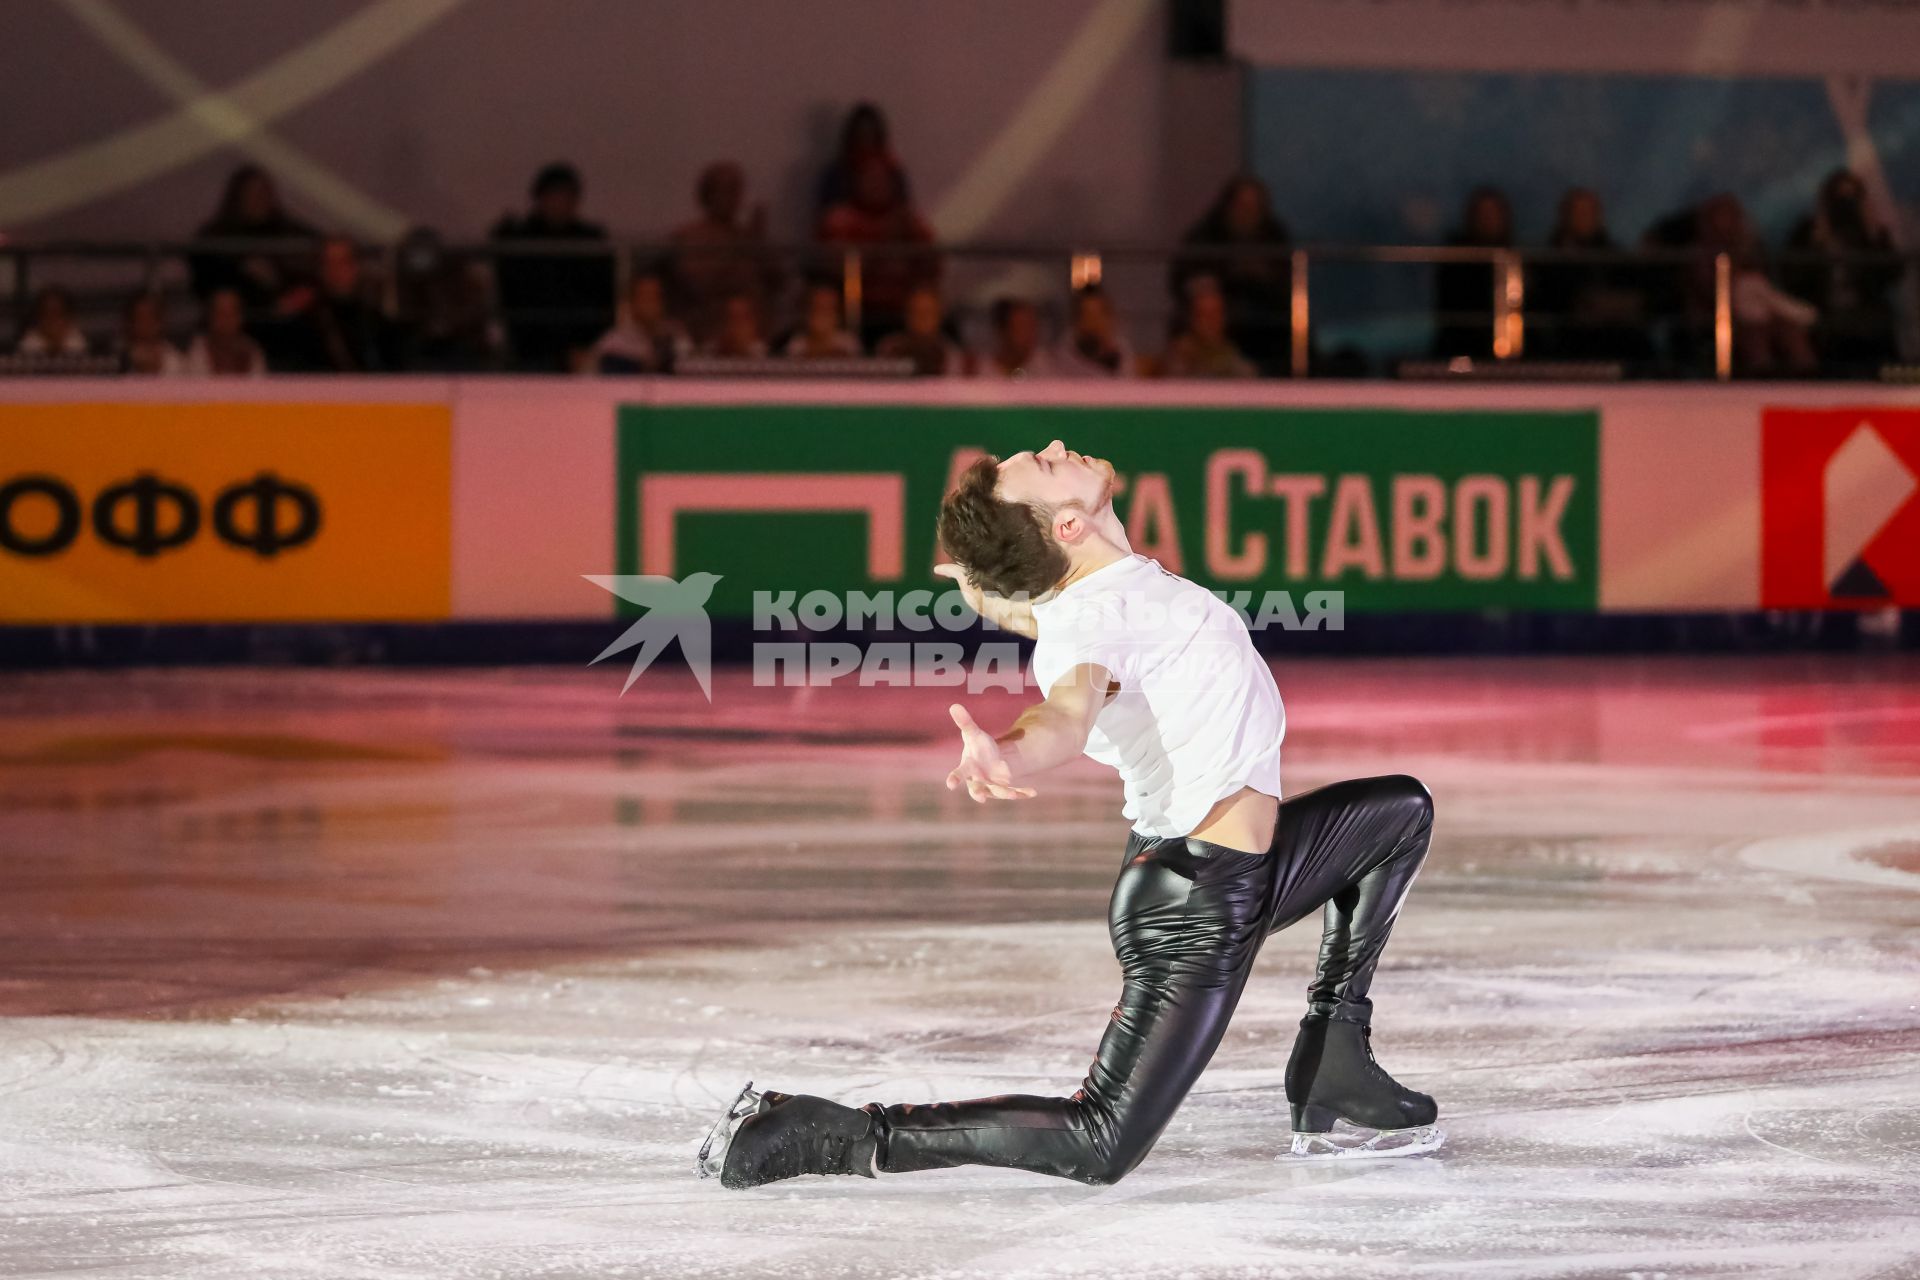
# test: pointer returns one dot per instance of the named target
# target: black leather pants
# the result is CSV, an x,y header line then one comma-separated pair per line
x,y
1187,919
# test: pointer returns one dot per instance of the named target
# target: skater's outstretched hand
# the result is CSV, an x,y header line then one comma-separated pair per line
x,y
1046,734
1009,615
982,770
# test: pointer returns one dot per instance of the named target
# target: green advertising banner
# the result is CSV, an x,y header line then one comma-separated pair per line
x,y
1403,510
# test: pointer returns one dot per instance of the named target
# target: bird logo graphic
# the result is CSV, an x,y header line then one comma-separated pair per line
x,y
674,610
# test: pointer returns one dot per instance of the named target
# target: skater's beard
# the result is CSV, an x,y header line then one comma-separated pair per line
x,y
1105,501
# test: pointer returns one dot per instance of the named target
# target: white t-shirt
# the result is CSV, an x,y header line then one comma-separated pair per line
x,y
1197,717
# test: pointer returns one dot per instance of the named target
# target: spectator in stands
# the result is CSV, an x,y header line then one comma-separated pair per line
x,y
250,210
739,336
50,329
1256,287
878,220
1680,293
1585,310
556,305
820,335
1016,342
720,256
343,330
1855,333
223,348
1203,349
924,341
1463,291
863,137
144,348
442,308
1772,331
647,339
1094,347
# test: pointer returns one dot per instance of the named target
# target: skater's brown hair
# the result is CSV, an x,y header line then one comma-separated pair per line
x,y
1006,548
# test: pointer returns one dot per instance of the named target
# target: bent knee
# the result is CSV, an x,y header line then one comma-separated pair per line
x,y
1104,1171
1410,797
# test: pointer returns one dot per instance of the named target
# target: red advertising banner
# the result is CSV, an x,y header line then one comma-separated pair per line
x,y
1840,508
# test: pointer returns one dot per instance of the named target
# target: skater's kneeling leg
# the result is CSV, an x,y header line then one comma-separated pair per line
x,y
1155,1047
1015,1131
1186,921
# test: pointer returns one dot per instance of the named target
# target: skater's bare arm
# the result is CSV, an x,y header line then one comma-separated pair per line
x,y
1008,615
1045,735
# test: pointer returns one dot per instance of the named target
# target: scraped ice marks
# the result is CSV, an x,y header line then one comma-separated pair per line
x,y
1875,1135
1861,855
38,1062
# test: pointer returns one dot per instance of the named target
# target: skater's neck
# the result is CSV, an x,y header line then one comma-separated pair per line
x,y
1089,557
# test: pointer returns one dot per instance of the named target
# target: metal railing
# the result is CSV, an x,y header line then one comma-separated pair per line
x,y
1513,329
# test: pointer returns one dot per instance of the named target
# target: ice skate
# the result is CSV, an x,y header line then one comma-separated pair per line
x,y
713,1152
767,1137
1345,1105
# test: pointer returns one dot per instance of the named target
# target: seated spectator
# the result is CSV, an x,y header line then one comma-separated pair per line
x,y
647,339
555,304
223,348
1772,331
1094,347
923,341
1586,310
342,329
863,137
739,335
1203,349
820,336
1016,342
1463,291
50,329
1680,310
442,308
1855,333
144,348
1256,287
880,222
719,255
250,210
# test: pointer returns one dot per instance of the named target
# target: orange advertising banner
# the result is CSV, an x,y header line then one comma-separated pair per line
x,y
239,512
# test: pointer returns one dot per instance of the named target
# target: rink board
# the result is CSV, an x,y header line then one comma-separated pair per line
x,y
483,499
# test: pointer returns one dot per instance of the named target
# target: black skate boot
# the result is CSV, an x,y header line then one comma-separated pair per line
x,y
1332,1077
766,1137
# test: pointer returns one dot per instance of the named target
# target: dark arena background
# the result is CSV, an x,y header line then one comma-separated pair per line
x,y
474,689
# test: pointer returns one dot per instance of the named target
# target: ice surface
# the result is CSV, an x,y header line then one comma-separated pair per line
x,y
359,974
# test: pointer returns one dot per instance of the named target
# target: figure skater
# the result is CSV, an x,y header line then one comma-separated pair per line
x,y
1156,677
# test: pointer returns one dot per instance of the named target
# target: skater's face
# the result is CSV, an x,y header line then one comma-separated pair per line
x,y
1072,485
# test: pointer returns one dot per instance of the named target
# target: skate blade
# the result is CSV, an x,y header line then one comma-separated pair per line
x,y
713,1152
1364,1144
